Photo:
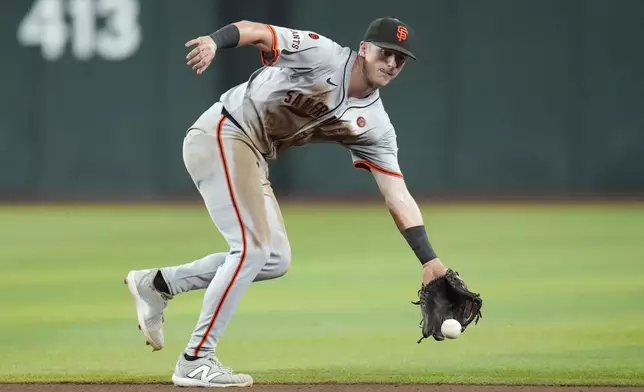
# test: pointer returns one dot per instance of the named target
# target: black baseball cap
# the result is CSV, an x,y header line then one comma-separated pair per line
x,y
391,33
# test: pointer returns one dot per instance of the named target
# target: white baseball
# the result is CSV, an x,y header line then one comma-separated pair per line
x,y
451,328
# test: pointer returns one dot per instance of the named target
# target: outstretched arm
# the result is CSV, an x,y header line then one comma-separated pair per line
x,y
408,218
279,46
234,35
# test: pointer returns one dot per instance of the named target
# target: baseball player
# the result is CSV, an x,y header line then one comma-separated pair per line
x,y
309,89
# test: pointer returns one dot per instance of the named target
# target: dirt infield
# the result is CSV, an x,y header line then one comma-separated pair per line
x,y
308,388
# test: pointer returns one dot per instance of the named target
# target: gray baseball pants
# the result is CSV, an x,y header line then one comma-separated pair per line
x,y
232,178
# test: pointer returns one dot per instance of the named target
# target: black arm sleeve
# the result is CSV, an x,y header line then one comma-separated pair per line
x,y
226,37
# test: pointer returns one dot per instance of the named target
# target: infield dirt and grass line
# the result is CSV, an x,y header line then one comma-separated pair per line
x,y
562,289
311,388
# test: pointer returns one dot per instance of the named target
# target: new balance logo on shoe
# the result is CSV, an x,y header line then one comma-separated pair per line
x,y
204,370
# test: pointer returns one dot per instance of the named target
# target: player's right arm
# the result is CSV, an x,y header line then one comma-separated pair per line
x,y
278,46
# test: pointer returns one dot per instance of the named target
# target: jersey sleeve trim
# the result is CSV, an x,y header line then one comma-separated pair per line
x,y
269,59
366,165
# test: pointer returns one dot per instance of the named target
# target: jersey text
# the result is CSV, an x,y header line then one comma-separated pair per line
x,y
305,105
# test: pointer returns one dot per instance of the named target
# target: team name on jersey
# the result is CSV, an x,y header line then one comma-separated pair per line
x,y
295,43
305,105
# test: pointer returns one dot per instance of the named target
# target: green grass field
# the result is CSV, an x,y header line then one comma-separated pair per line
x,y
563,290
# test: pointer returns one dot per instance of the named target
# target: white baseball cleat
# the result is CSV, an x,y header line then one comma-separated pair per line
x,y
150,304
207,372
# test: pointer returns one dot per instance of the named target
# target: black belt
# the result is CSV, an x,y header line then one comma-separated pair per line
x,y
227,114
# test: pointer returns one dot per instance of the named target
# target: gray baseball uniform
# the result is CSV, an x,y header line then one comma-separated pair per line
x,y
300,96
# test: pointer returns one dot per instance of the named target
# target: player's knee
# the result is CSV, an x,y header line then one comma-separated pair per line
x,y
279,261
282,254
259,252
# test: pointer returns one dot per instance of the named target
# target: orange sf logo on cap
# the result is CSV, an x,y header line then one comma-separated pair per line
x,y
401,33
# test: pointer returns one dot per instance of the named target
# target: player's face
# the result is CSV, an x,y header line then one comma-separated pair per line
x,y
382,65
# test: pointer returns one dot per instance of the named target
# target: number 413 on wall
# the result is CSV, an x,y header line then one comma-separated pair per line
x,y
46,25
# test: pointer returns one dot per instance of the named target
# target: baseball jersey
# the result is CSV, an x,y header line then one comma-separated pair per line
x,y
300,96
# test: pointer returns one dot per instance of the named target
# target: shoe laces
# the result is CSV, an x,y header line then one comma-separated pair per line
x,y
212,358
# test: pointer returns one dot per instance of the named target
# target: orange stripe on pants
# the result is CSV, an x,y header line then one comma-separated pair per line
x,y
242,259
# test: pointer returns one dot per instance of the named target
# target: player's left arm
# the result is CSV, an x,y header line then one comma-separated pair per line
x,y
409,220
377,152
443,294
